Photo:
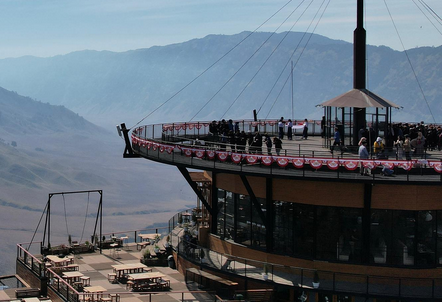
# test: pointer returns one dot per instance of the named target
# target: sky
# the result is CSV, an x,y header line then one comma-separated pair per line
x,y
46,28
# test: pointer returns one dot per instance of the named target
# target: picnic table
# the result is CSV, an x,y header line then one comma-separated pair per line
x,y
94,293
57,261
150,237
121,270
149,281
72,277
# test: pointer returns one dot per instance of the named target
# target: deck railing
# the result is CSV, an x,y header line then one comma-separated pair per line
x,y
303,278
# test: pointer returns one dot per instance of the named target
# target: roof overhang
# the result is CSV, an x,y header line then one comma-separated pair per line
x,y
359,98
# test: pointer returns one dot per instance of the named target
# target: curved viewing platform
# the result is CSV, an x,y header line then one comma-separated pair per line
x,y
194,146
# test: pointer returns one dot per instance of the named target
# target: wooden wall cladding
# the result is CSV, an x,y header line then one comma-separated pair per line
x,y
300,191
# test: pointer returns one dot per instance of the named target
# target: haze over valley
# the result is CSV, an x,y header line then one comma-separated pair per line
x,y
58,116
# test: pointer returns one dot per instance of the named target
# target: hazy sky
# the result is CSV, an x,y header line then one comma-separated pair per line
x,y
51,27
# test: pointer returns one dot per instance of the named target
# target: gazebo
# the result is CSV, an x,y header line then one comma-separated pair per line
x,y
353,110
350,109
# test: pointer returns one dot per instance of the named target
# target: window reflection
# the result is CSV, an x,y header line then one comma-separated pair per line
x,y
398,238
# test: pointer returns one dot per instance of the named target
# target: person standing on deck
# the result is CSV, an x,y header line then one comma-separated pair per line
x,y
363,154
305,130
337,141
289,129
278,145
281,125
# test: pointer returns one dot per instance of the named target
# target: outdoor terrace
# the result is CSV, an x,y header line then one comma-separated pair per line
x,y
191,145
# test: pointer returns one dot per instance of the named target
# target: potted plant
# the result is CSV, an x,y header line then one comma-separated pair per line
x,y
157,238
156,248
265,274
316,280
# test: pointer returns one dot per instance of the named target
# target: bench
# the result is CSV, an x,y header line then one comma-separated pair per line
x,y
141,245
203,275
27,292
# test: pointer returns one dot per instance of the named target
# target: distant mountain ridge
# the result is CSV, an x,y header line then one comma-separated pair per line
x,y
23,115
109,88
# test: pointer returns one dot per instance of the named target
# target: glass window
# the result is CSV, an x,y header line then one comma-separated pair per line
x,y
380,236
258,226
229,216
403,231
221,213
304,230
327,235
283,227
244,227
426,239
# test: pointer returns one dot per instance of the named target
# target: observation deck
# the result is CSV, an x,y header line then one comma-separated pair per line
x,y
191,145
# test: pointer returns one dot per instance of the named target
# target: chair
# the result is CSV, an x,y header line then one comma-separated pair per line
x,y
115,297
112,277
86,280
129,285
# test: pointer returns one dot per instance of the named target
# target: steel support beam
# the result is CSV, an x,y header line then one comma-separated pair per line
x,y
197,191
254,200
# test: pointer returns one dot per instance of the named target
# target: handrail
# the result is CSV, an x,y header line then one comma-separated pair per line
x,y
330,280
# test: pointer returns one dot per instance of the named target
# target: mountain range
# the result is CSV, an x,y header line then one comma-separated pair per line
x,y
108,88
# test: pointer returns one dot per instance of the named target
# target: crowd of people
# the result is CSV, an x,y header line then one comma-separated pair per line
x,y
406,139
228,133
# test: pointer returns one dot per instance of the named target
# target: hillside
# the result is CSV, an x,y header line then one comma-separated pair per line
x,y
46,149
109,88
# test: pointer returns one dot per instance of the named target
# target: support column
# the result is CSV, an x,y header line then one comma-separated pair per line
x,y
269,215
214,214
366,223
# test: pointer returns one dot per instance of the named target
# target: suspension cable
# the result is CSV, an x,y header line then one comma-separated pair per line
x,y
269,56
208,68
431,13
291,56
409,62
38,225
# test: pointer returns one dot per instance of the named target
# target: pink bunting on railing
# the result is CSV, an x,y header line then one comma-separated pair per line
x,y
211,154
267,160
236,157
272,123
254,124
282,161
187,151
368,164
169,149
388,164
162,148
198,126
200,153
298,162
143,143
252,159
436,165
349,164
332,164
314,163
406,165
222,155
